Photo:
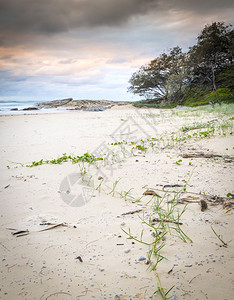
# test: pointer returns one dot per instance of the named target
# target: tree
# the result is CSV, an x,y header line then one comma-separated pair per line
x,y
163,77
212,53
178,76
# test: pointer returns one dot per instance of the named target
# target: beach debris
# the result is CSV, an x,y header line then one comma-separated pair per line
x,y
54,226
7,186
172,185
194,278
142,258
190,199
4,246
216,200
20,233
227,204
172,268
212,199
168,221
55,294
101,269
203,205
117,296
127,250
147,261
200,155
151,193
100,178
226,158
126,275
131,212
79,258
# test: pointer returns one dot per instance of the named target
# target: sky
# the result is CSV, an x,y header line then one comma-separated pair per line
x,y
88,49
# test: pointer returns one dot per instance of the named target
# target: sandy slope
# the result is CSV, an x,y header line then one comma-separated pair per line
x,y
44,264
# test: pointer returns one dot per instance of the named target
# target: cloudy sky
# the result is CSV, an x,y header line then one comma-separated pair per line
x,y
88,49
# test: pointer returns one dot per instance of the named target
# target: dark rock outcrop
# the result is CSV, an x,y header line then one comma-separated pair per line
x,y
31,108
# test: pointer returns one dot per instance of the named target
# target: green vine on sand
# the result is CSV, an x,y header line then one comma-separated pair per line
x,y
86,157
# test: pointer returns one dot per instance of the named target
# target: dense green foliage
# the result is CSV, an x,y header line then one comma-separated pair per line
x,y
202,75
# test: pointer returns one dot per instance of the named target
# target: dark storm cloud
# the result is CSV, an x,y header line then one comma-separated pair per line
x,y
59,15
201,6
52,16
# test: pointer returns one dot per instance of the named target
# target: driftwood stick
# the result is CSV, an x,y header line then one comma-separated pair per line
x,y
200,155
131,212
192,193
205,155
168,221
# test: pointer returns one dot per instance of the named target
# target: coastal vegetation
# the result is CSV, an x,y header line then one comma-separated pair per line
x,y
202,75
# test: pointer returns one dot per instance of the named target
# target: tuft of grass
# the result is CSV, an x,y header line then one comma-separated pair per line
x,y
113,191
219,237
168,219
194,126
225,109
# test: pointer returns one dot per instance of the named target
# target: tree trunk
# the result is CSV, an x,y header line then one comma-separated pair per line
x,y
214,85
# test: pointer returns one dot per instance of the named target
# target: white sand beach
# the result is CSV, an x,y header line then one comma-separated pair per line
x,y
88,256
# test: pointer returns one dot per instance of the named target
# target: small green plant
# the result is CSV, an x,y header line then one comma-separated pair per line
x,y
98,188
116,143
112,192
178,162
141,147
219,237
126,195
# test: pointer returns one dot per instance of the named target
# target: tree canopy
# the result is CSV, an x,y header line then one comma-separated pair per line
x,y
172,75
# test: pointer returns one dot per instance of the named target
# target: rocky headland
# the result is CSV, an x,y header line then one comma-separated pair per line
x,y
86,105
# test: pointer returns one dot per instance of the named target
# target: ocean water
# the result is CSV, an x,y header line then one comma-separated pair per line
x,y
6,106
